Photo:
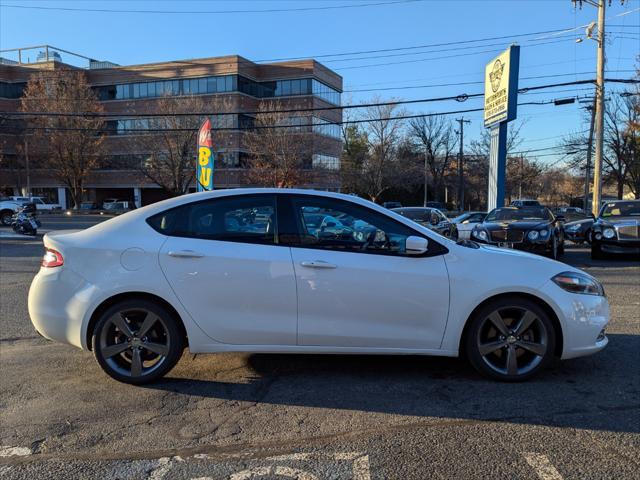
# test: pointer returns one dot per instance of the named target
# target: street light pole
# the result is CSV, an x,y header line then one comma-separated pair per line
x,y
599,115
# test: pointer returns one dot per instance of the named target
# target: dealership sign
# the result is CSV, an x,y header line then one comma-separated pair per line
x,y
501,87
204,168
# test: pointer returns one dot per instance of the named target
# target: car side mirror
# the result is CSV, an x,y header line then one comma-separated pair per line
x,y
416,245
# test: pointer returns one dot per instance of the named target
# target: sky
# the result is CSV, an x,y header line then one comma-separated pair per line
x,y
265,30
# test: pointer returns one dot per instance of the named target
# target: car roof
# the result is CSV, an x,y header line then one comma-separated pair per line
x,y
158,207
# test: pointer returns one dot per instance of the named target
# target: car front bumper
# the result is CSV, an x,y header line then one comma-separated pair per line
x,y
575,236
617,246
583,318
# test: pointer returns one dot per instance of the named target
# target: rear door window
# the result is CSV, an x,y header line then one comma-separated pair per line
x,y
247,219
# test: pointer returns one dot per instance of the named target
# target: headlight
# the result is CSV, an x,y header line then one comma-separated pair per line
x,y
544,233
481,234
608,233
533,235
576,282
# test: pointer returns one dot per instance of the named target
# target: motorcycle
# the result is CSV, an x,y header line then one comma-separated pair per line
x,y
25,221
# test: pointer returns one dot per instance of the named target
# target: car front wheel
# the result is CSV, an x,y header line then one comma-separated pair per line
x,y
510,339
5,217
137,341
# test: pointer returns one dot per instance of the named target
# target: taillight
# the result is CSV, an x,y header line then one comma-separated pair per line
x,y
52,258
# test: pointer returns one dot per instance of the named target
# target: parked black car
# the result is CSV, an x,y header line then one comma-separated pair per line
x,y
392,205
534,229
431,218
579,231
524,202
617,229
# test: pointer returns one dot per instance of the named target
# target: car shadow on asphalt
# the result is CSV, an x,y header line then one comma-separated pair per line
x,y
590,393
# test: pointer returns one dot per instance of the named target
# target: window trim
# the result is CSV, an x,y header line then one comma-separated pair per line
x,y
288,197
273,196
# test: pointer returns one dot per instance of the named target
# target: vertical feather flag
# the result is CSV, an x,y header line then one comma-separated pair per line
x,y
204,167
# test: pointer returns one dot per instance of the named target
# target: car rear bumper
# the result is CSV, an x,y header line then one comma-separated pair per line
x,y
58,300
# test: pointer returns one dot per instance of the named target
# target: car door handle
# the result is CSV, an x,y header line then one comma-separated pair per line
x,y
185,254
317,264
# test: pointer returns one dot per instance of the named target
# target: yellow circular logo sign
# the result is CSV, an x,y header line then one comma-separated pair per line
x,y
496,75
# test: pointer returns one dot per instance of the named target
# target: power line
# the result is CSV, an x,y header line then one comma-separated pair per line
x,y
211,12
460,98
260,127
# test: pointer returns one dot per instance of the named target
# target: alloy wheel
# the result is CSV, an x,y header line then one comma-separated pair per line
x,y
512,341
135,342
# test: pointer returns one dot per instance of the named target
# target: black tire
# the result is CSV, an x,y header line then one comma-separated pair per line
x,y
5,217
555,249
117,350
596,252
539,335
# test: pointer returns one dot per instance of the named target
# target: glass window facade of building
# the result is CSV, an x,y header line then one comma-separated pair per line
x,y
220,84
327,128
12,90
325,161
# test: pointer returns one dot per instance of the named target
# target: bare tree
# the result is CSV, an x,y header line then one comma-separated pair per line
x,y
621,162
381,167
69,145
169,147
279,147
436,138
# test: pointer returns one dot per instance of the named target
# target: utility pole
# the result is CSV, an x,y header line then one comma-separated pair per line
x,y
599,100
26,159
599,121
587,173
426,172
461,121
520,175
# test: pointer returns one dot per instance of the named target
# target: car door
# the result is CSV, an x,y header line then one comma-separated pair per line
x,y
224,264
359,288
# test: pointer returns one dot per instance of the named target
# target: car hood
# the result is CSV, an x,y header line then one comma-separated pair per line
x,y
579,222
620,220
516,225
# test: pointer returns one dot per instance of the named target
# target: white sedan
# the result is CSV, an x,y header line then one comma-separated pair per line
x,y
239,270
466,222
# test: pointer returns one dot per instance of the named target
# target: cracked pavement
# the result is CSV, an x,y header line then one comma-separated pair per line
x,y
287,416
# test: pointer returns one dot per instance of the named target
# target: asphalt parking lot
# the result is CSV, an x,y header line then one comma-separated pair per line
x,y
239,416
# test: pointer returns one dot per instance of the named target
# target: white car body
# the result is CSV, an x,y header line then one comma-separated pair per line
x,y
7,209
465,228
260,298
40,202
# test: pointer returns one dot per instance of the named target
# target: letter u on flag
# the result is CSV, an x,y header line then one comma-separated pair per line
x,y
204,166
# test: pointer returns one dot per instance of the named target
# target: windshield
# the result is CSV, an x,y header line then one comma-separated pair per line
x,y
461,218
516,214
621,209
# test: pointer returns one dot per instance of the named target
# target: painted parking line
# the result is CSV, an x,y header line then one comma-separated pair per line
x,y
6,451
543,467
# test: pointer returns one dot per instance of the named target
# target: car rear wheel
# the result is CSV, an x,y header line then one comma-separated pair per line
x,y
137,341
511,339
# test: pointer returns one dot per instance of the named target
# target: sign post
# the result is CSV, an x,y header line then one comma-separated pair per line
x,y
205,164
500,107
